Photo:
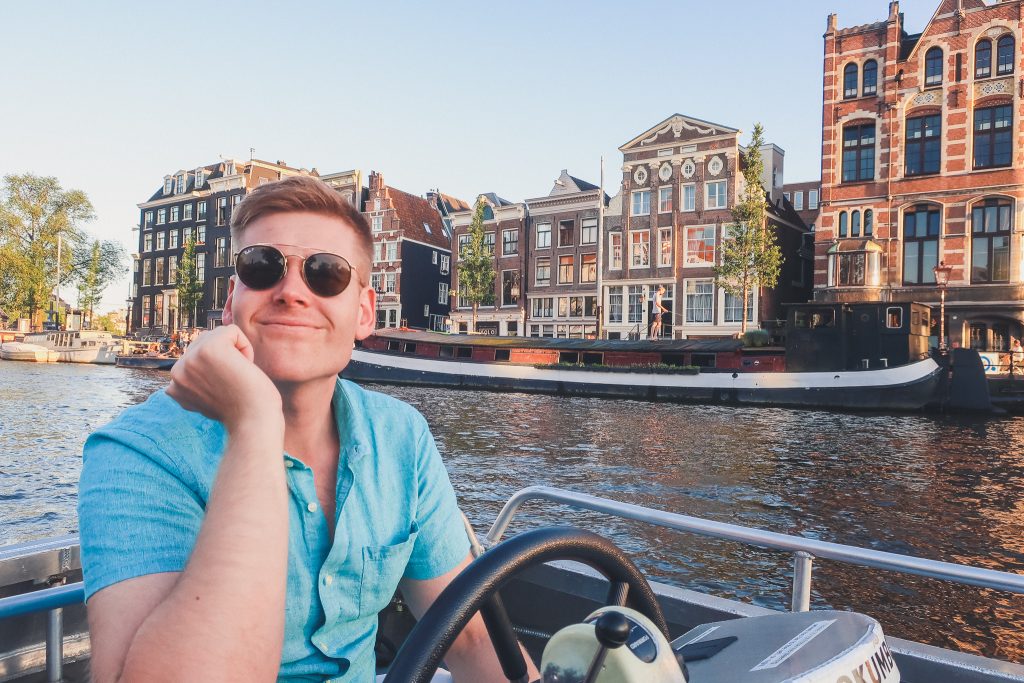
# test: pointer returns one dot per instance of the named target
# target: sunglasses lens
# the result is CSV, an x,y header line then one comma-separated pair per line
x,y
259,266
327,274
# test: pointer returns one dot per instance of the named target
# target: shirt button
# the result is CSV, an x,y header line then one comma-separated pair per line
x,y
311,507
328,579
289,464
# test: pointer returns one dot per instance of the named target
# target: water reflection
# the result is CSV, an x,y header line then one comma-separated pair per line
x,y
936,487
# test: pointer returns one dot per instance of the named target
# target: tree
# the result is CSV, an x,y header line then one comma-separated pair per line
x,y
109,323
476,264
750,256
93,266
190,287
89,289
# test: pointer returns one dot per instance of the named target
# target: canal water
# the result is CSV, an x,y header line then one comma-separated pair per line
x,y
944,488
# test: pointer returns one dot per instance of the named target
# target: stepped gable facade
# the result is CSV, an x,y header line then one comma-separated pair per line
x,y
411,259
923,164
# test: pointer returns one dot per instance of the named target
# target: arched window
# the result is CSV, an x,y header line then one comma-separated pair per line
x,y
850,81
921,227
983,59
870,78
991,225
842,224
924,144
869,220
859,152
855,224
1005,55
933,66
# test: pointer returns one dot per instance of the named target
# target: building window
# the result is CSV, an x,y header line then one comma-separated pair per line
x,y
664,200
147,304
172,269
855,224
565,270
222,210
392,251
843,224
715,195
220,292
859,153
180,184
615,305
375,280
689,198
377,223
186,212
220,255
983,59
641,205
201,266
699,301
147,272
850,82
161,240
389,283
201,213
851,268
168,184
200,178
639,248
921,227
464,244
664,247
445,264
636,303
615,251
158,268
869,220
509,287
933,67
870,78
172,239
812,200
588,231
733,310
924,135
565,233
543,307
161,216
700,245
442,293
542,277
489,243
1005,55
991,225
149,219
543,235
158,310
798,201
509,242
588,268
992,139
236,199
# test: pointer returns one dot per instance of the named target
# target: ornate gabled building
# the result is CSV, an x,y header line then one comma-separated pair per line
x,y
506,231
561,264
194,203
681,180
922,163
411,259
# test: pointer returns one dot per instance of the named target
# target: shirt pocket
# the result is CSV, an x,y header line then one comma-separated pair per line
x,y
383,568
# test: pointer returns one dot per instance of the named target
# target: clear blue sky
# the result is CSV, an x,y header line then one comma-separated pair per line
x,y
463,96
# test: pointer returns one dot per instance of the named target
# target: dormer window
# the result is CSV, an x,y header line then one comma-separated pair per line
x,y
933,67
200,177
168,184
180,188
229,168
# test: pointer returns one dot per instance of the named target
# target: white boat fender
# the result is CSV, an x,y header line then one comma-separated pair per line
x,y
613,645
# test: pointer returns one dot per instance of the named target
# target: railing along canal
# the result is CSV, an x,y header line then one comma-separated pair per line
x,y
804,551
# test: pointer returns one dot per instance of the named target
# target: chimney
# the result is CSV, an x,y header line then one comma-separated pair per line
x,y
894,9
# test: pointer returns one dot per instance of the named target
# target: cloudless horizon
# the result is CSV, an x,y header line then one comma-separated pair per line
x,y
108,97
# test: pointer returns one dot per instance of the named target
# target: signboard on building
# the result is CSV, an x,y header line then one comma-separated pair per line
x,y
488,328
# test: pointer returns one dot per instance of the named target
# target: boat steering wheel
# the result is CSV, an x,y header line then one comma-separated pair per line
x,y
476,589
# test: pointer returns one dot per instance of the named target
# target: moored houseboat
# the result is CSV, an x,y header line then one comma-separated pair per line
x,y
79,346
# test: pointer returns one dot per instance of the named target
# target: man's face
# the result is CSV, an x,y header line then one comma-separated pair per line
x,y
296,335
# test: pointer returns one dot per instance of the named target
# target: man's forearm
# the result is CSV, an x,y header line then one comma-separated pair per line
x,y
224,618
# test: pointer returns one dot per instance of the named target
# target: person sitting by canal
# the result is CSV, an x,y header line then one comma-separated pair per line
x,y
659,309
251,520
1016,357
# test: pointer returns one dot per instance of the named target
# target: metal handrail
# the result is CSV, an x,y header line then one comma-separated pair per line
x,y
803,549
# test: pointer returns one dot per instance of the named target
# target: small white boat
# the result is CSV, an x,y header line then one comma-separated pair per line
x,y
27,352
79,346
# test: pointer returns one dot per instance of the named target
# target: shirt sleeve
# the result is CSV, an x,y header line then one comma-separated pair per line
x,y
441,542
136,516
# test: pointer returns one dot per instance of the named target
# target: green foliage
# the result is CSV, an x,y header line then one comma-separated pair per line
x,y
754,338
750,257
190,289
109,323
36,213
476,264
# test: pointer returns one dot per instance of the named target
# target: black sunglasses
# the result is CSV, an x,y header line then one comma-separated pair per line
x,y
261,266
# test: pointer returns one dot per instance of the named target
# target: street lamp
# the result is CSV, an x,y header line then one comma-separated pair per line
x,y
128,317
942,272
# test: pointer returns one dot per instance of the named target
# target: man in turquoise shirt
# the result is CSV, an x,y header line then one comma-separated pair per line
x,y
249,522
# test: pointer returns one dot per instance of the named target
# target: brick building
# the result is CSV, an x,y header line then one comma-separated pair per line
x,y
806,200
681,180
506,230
922,163
411,258
561,264
191,203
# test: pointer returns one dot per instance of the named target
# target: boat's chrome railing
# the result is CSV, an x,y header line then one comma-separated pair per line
x,y
804,550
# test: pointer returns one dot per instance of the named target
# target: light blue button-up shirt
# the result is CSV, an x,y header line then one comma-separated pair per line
x,y
147,476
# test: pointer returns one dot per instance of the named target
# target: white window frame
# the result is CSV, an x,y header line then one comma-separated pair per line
x,y
614,251
812,200
377,223
663,260
175,214
168,184
186,212
690,258
686,301
662,191
547,231
504,242
179,185
688,191
445,264
148,221
200,177
390,282
588,226
536,267
798,200
724,195
161,216
442,293
752,307
392,251
640,203
634,246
